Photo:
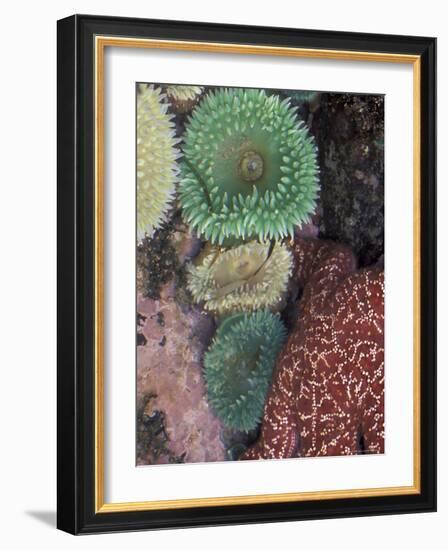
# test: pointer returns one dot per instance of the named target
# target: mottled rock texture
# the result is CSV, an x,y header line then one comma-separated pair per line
x,y
349,131
170,384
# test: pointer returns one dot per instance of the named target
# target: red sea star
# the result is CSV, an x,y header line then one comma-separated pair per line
x,y
327,396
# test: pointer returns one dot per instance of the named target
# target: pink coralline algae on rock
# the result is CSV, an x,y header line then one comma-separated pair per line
x,y
327,396
170,384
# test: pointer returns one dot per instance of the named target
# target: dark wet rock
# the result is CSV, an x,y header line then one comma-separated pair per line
x,y
156,262
349,131
237,442
162,259
162,341
141,340
140,319
152,437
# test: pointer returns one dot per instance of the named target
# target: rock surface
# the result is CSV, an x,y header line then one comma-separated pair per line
x,y
170,385
349,131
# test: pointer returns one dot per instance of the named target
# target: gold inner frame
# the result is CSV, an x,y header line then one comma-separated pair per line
x,y
101,42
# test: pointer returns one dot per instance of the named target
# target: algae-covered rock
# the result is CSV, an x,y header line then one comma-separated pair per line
x,y
175,421
350,136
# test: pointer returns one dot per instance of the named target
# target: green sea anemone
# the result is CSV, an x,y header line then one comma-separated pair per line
x,y
249,169
302,96
157,169
251,276
239,364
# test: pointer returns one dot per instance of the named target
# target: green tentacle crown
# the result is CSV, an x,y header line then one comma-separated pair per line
x,y
248,277
250,168
239,364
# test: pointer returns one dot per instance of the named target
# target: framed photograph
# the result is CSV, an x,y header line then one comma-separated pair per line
x,y
246,274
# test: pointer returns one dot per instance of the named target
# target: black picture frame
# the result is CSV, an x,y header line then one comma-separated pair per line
x,y
76,253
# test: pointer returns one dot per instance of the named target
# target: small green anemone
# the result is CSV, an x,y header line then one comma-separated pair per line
x,y
239,364
249,277
249,169
157,154
302,96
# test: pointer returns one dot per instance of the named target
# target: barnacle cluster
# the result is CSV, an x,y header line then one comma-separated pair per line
x,y
239,364
249,168
248,277
157,169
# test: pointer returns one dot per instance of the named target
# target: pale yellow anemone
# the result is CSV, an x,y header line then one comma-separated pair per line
x,y
180,92
245,278
157,154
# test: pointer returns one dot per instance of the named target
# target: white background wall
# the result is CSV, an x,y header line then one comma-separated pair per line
x,y
28,271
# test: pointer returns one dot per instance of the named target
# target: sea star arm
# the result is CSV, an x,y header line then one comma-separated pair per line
x,y
341,398
319,264
278,438
320,267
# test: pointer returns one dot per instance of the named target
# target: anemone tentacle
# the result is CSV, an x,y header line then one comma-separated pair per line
x,y
302,96
238,366
157,154
248,277
181,92
250,168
